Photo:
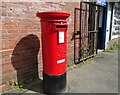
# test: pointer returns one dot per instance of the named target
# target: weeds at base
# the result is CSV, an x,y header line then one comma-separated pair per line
x,y
112,48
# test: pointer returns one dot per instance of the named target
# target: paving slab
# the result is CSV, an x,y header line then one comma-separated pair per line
x,y
101,76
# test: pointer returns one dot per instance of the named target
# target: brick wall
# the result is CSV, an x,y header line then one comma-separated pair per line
x,y
21,38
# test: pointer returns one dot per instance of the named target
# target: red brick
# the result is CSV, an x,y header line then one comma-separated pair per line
x,y
7,67
19,20
5,87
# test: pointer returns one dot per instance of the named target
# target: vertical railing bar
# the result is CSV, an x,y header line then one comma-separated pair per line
x,y
74,34
86,27
83,32
93,23
93,28
97,29
89,28
80,32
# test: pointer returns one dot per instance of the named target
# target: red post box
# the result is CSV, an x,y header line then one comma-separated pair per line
x,y
53,28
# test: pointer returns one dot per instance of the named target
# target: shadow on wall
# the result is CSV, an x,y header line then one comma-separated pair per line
x,y
24,58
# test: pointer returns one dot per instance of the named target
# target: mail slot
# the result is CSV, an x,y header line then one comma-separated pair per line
x,y
54,27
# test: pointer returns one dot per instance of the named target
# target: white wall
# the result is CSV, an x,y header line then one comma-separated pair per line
x,y
115,31
109,12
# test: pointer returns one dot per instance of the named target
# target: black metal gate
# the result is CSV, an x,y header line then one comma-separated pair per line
x,y
85,31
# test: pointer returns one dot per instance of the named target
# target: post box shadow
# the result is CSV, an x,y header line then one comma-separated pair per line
x,y
25,61
36,86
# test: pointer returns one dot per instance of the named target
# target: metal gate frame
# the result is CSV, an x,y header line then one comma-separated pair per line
x,y
85,37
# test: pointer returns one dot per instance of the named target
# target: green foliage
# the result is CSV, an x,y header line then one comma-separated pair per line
x,y
18,86
112,48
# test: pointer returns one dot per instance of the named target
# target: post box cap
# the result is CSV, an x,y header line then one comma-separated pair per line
x,y
53,15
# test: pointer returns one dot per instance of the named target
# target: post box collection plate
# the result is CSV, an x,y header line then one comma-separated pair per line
x,y
61,36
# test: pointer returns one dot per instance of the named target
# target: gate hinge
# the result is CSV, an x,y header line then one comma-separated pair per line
x,y
73,35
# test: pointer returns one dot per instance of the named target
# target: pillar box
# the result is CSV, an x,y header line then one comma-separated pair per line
x,y
54,28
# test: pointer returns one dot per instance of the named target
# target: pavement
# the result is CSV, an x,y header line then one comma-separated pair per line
x,y
97,75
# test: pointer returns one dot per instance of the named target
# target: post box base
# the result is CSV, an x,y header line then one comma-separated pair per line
x,y
54,84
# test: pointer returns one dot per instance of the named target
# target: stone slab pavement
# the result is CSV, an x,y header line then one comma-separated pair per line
x,y
97,75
